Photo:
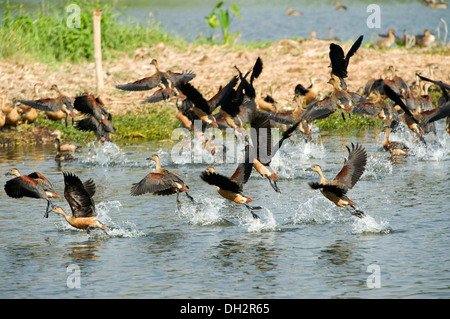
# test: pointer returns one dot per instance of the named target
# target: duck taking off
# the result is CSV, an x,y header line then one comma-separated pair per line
x,y
162,182
349,175
79,196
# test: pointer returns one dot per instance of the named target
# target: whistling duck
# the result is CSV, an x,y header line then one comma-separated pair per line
x,y
63,156
307,95
349,175
442,111
339,61
147,83
79,196
395,148
64,147
339,7
443,105
425,40
30,114
410,120
395,81
2,119
321,109
13,115
165,93
34,185
232,188
57,108
262,150
161,182
292,12
434,5
376,106
386,41
203,108
102,128
90,105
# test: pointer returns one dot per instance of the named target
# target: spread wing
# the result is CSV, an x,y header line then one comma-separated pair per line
x,y
353,168
244,170
78,197
144,84
397,100
155,183
220,181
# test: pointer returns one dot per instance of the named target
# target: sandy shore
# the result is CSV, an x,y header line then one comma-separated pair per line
x,y
286,63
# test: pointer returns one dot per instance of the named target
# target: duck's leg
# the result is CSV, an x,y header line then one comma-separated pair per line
x,y
178,200
356,212
47,210
252,207
190,197
274,185
251,211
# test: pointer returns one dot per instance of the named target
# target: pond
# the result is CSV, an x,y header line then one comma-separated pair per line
x,y
301,247
264,20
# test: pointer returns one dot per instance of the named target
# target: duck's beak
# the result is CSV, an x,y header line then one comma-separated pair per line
x,y
308,169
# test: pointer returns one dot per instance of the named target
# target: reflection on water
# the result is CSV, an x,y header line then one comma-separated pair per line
x,y
303,246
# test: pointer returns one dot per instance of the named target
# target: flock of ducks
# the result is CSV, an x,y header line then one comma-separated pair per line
x,y
235,106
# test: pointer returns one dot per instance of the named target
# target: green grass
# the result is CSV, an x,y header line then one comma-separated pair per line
x,y
357,122
150,122
47,38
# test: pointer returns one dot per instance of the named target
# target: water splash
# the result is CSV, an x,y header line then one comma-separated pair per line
x,y
122,229
314,211
107,154
376,168
292,158
368,225
266,221
204,212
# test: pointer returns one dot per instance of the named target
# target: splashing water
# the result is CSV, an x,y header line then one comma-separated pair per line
x,y
205,211
368,224
314,211
293,157
124,229
376,168
107,154
265,222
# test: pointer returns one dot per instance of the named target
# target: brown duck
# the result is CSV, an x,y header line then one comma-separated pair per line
x,y
34,185
79,197
349,175
161,182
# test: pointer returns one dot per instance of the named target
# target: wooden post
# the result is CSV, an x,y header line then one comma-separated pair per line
x,y
98,49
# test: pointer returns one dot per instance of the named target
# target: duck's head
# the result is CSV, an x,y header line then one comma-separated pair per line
x,y
314,168
210,170
58,210
56,133
13,172
154,158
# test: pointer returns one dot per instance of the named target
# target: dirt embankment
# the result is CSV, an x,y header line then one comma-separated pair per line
x,y
286,63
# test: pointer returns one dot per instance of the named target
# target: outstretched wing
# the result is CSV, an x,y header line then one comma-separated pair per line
x,y
78,197
154,183
353,168
397,100
220,181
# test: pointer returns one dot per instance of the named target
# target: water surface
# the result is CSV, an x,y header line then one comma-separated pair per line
x,y
302,247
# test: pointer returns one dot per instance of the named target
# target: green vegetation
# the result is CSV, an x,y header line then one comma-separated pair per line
x,y
56,37
219,18
356,122
149,122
